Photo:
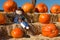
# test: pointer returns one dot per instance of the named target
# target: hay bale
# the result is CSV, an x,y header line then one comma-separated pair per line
x,y
34,17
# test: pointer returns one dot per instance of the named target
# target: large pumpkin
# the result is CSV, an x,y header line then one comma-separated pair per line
x,y
9,6
2,19
55,9
49,30
17,33
44,18
28,7
41,8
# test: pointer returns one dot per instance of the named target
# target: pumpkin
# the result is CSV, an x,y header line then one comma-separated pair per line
x,y
55,9
58,19
41,8
9,6
27,7
44,18
17,33
49,30
2,19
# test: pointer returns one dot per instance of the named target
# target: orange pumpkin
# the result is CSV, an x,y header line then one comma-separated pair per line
x,y
9,6
41,8
55,9
59,10
58,19
49,30
2,19
44,18
28,7
17,33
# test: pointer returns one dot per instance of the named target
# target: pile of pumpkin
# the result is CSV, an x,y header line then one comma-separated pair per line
x,y
49,29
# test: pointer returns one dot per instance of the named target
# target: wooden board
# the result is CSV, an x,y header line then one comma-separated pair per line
x,y
38,37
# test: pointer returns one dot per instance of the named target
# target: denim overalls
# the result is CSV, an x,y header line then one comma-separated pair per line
x,y
24,24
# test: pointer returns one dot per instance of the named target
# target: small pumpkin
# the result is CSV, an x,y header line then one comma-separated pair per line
x,y
49,30
27,7
2,19
9,6
41,8
55,9
17,33
44,18
58,19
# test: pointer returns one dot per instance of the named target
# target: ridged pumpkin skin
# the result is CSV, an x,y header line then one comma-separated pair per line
x,y
27,7
55,9
49,30
2,19
41,8
17,33
44,18
9,6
